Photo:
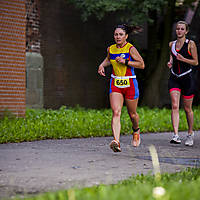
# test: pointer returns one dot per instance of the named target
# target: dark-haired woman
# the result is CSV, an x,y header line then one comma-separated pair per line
x,y
183,56
123,57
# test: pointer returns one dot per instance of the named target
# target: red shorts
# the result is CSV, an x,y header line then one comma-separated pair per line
x,y
131,92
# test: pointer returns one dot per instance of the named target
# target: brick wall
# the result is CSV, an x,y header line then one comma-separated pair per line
x,y
32,26
12,57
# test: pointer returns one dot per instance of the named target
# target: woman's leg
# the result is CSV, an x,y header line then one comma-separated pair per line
x,y
187,104
132,107
175,99
116,102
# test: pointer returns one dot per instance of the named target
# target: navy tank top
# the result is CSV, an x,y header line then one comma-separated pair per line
x,y
180,68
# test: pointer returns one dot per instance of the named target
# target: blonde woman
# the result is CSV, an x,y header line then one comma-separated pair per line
x,y
183,56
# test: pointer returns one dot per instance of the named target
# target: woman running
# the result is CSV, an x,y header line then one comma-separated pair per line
x,y
181,82
123,57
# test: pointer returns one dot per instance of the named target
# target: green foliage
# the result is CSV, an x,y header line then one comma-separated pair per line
x,y
79,122
129,10
178,186
134,12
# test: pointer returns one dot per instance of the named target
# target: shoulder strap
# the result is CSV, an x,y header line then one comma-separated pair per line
x,y
173,49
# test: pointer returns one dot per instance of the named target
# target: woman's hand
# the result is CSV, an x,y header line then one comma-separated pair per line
x,y
180,57
169,64
120,60
101,70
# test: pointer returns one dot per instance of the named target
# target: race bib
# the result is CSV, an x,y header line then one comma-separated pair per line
x,y
122,82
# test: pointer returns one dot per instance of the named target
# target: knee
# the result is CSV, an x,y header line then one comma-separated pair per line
x,y
116,112
175,107
188,109
133,115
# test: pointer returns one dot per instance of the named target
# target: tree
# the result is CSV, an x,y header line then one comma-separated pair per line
x,y
155,85
159,15
194,34
134,12
155,93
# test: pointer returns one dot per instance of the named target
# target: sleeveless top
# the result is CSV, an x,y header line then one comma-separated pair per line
x,y
124,52
180,68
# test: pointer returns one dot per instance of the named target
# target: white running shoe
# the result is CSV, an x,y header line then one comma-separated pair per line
x,y
189,140
175,139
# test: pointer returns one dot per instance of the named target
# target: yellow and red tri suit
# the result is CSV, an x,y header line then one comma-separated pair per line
x,y
123,78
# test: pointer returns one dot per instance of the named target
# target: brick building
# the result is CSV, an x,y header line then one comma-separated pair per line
x,y
12,57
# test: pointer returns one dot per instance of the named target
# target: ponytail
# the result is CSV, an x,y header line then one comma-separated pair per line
x,y
129,29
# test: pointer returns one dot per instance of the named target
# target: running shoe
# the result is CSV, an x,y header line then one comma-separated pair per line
x,y
115,146
175,139
136,139
189,140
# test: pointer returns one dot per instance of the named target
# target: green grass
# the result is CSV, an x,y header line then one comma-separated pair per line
x,y
79,122
184,185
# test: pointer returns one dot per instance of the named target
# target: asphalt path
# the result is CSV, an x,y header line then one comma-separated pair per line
x,y
30,168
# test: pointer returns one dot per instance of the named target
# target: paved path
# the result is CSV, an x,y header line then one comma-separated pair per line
x,y
34,167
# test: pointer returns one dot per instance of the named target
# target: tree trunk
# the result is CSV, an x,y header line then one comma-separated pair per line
x,y
157,82
153,41
194,34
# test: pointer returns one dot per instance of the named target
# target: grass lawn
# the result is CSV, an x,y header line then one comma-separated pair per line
x,y
78,122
